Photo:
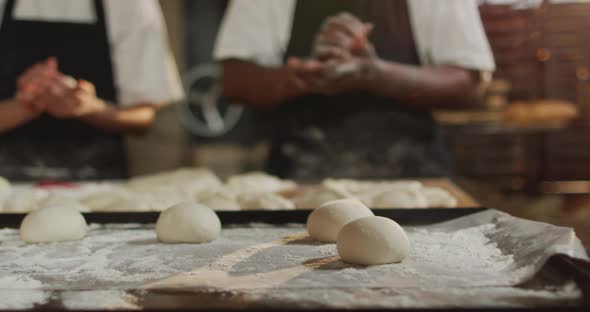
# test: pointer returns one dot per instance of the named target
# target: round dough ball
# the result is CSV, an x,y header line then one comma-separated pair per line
x,y
355,187
4,184
219,200
371,241
115,200
23,200
221,203
64,201
439,198
100,200
325,222
188,223
398,198
264,201
315,197
259,182
53,224
5,191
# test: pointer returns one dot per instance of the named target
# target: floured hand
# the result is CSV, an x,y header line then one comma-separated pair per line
x,y
342,37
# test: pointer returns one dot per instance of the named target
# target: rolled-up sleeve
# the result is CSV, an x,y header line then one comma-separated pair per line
x,y
144,68
450,32
255,30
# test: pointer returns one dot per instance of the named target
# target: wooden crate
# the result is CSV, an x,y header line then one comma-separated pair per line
x,y
543,50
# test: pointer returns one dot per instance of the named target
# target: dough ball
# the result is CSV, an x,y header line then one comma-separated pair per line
x,y
23,200
439,198
185,182
325,222
99,201
115,200
371,241
64,201
4,185
165,197
5,191
396,198
315,197
192,181
219,200
201,176
264,201
355,187
49,224
188,223
126,204
259,182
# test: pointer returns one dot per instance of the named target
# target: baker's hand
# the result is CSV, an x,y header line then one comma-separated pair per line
x,y
62,101
332,77
342,37
33,83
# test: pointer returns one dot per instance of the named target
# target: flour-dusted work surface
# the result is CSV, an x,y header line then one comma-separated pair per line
x,y
485,259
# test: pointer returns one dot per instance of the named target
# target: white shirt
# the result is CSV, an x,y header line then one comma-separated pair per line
x,y
144,68
446,32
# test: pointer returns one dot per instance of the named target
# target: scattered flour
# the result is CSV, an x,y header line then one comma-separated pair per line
x,y
99,300
18,299
19,282
279,263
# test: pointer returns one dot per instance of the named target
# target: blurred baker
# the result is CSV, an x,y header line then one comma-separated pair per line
x,y
75,76
352,83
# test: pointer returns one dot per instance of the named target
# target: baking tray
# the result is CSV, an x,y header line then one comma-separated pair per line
x,y
402,216
170,300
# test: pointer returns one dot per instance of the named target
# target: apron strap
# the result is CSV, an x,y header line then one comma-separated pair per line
x,y
100,14
8,13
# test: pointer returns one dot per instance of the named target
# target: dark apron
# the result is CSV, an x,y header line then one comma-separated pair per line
x,y
356,135
48,148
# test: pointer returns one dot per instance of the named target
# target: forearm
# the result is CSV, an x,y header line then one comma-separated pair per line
x,y
442,87
12,115
258,86
135,119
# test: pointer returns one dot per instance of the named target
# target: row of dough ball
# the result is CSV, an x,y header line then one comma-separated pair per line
x,y
26,200
242,192
195,181
158,192
181,223
379,195
361,238
255,190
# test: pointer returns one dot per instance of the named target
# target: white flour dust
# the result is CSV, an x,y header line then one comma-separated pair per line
x,y
281,262
99,300
19,299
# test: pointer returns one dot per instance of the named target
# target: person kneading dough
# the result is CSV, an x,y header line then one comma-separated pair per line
x,y
57,223
188,223
73,87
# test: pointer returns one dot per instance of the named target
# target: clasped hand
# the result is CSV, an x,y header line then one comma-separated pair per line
x,y
43,88
342,58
